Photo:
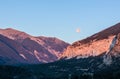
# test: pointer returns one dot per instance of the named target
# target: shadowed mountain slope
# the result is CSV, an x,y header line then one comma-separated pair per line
x,y
19,47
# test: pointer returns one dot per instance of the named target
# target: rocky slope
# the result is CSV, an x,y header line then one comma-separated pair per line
x,y
103,66
113,52
18,47
92,67
93,45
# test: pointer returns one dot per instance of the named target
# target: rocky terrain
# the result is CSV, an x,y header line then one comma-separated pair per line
x,y
96,57
17,47
103,66
93,45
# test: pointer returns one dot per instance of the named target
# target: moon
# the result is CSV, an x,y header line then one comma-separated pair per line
x,y
78,30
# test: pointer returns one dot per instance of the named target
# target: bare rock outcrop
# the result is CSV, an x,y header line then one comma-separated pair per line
x,y
94,45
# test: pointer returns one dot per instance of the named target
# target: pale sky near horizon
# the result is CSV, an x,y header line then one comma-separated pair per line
x,y
69,20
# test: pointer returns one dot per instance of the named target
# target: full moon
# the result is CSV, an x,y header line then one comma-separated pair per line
x,y
78,30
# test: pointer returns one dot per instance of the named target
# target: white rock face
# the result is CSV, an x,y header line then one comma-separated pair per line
x,y
114,50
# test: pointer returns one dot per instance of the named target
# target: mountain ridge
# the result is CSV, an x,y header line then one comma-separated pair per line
x,y
104,65
93,45
32,49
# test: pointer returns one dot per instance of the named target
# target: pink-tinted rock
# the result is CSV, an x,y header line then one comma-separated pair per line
x,y
19,47
94,45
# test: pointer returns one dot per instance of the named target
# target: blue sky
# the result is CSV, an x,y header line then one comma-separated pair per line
x,y
59,18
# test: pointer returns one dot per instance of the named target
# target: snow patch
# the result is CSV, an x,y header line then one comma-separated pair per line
x,y
23,56
37,55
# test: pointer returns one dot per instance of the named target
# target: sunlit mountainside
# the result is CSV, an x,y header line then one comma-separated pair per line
x,y
21,48
96,57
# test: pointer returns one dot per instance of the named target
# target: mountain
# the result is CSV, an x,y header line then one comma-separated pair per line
x,y
103,66
113,52
17,47
93,45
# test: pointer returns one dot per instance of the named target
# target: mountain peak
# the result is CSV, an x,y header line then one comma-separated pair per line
x,y
104,34
93,45
14,34
24,48
10,30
